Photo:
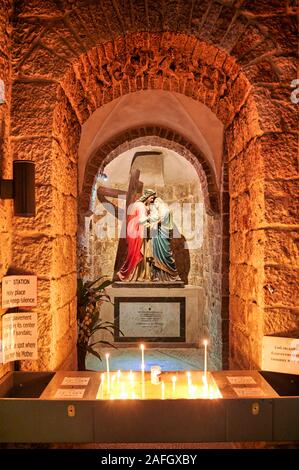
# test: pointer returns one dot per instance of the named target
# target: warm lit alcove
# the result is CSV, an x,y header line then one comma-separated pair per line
x,y
178,177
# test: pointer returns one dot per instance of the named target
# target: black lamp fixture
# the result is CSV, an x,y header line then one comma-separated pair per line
x,y
21,188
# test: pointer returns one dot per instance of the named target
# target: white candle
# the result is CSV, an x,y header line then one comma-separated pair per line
x,y
107,355
173,384
142,372
189,379
142,356
131,378
102,385
118,377
205,342
163,390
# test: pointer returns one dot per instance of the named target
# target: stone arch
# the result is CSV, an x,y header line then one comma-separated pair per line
x,y
155,136
168,61
209,276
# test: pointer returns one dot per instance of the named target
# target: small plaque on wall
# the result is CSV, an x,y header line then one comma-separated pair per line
x,y
280,354
19,291
149,319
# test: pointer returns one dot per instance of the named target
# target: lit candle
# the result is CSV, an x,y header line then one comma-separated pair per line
x,y
142,357
192,391
123,392
189,379
206,359
107,355
131,378
118,377
102,385
142,371
163,390
173,384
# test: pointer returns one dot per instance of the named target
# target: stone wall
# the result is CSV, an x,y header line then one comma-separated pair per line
x,y
6,206
46,244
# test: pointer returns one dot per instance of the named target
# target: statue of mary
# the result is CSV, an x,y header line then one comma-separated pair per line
x,y
161,226
149,255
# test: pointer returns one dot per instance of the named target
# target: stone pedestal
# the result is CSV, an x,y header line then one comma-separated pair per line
x,y
161,316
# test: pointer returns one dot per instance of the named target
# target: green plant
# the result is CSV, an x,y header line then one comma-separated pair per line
x,y
90,297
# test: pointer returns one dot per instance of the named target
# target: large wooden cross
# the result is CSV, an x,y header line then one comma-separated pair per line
x,y
134,191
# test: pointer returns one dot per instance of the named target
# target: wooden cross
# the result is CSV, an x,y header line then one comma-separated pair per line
x,y
134,191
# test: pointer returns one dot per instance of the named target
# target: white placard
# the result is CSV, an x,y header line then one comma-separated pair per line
x,y
69,393
19,291
249,392
19,336
240,380
75,381
280,354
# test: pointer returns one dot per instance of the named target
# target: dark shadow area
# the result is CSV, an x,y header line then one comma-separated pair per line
x,y
24,384
286,385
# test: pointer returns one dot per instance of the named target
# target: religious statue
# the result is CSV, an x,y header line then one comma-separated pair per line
x,y
149,255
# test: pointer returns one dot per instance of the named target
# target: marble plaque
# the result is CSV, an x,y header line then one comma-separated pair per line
x,y
150,319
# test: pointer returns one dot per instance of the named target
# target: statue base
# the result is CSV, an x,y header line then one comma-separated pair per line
x,y
168,314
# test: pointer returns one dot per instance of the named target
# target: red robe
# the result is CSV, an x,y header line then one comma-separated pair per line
x,y
135,231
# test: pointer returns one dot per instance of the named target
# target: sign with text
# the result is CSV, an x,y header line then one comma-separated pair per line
x,y
69,393
19,336
149,318
19,291
280,354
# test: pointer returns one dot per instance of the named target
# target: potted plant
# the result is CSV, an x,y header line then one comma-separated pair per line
x,y
90,297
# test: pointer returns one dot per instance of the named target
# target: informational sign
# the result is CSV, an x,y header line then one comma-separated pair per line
x,y
280,354
240,380
19,291
75,381
69,393
153,319
249,392
19,336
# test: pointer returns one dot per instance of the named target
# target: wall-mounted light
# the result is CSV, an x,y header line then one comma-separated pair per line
x,y
102,176
21,188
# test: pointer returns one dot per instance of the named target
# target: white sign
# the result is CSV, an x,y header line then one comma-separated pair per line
x,y
75,381
249,392
19,336
241,380
69,393
19,291
280,354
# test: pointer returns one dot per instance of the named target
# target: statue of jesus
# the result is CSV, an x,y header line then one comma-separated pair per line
x,y
149,255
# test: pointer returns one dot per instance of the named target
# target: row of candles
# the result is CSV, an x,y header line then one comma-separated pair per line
x,y
124,386
205,343
111,379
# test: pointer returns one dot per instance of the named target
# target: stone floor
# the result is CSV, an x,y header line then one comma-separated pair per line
x,y
175,359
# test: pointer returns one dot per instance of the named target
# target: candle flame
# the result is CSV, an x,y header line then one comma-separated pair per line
x,y
205,342
142,347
